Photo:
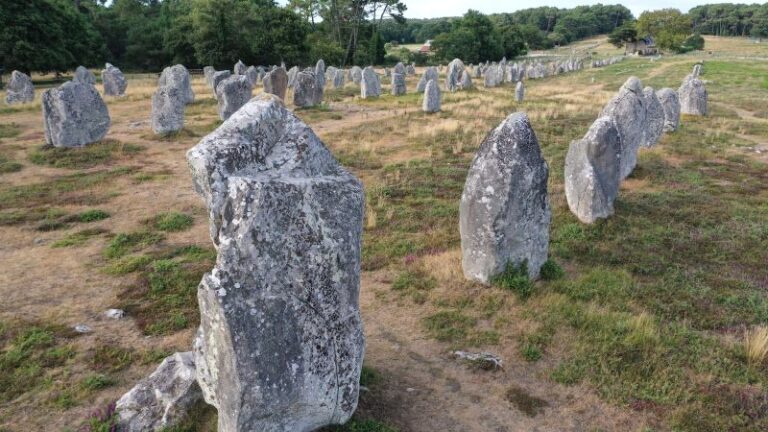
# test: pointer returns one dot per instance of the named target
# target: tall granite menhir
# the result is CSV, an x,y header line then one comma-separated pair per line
x,y
74,115
280,344
504,211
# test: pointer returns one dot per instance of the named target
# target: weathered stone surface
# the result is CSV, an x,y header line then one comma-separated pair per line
x,y
593,171
654,114
163,399
398,84
627,109
429,74
491,78
19,89
432,96
671,104
178,76
240,68
292,77
693,96
504,211
217,78
280,344
84,75
696,70
208,72
519,92
466,81
338,79
233,93
74,115
168,110
253,75
400,68
320,73
410,70
276,82
370,86
305,91
356,75
453,76
114,81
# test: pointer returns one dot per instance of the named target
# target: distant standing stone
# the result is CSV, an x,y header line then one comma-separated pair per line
x,y
84,75
519,92
654,114
593,171
504,211
305,90
217,78
370,86
356,74
429,74
693,97
671,104
233,93
292,76
167,110
208,72
628,111
276,82
178,76
398,84
453,76
400,68
19,89
114,81
466,81
320,76
432,96
240,68
410,69
74,115
253,75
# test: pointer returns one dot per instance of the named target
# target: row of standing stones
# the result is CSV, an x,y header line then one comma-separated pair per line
x,y
280,343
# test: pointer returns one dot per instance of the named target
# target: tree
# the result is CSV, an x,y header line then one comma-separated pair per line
x,y
474,38
668,27
621,35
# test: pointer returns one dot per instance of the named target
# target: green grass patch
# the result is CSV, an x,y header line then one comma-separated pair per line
x,y
84,157
172,221
111,358
125,243
9,130
78,238
515,278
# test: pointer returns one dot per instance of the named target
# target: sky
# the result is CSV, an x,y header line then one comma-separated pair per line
x,y
447,8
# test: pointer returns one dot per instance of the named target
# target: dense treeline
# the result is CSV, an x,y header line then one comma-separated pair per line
x,y
727,19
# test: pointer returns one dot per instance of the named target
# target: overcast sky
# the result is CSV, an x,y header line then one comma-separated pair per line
x,y
443,8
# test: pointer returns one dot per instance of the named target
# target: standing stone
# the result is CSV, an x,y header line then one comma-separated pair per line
x,y
671,104
178,76
280,344
398,84
400,68
410,69
432,95
163,399
593,171
320,76
696,70
654,114
253,75
217,78
453,76
338,79
504,212
693,97
20,89
74,115
356,75
305,91
519,92
429,74
208,71
168,110
240,68
491,77
370,86
466,81
292,77
84,75
276,82
114,81
627,109
233,93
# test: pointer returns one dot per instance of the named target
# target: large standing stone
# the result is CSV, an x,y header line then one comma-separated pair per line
x,y
370,86
519,92
320,74
491,78
453,77
429,74
217,79
504,212
114,81
693,96
208,72
466,81
305,91
400,68
276,82
627,109
432,95
654,114
233,93
178,76
240,68
398,84
280,344
292,77
593,171
338,79
163,399
74,115
356,74
84,75
671,104
253,75
168,110
20,89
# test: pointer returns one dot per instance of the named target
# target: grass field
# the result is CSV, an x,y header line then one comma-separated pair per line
x,y
648,321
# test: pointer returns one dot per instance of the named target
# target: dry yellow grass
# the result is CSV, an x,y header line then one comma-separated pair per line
x,y
756,344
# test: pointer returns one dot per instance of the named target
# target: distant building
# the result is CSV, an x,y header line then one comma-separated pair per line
x,y
644,47
427,47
